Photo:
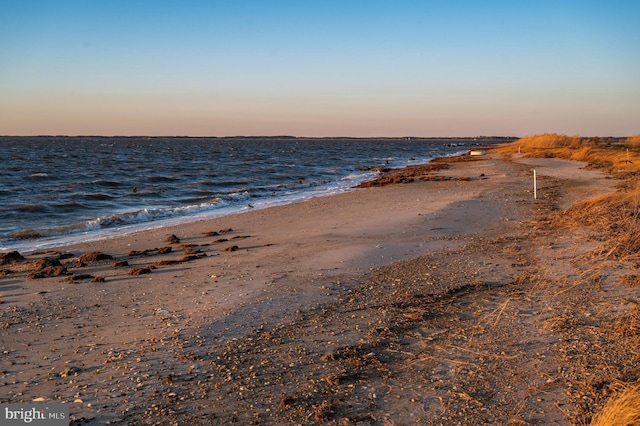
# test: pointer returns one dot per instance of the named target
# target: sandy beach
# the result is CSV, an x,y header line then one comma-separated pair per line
x,y
450,299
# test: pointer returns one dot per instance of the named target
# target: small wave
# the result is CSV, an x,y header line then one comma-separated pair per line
x,y
25,234
38,176
108,183
358,176
239,195
32,208
200,199
93,196
119,219
69,206
204,183
160,178
36,234
149,215
143,194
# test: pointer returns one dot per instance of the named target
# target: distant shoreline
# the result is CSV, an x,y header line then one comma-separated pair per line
x,y
465,138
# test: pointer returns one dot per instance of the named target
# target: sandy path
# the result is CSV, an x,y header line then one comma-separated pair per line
x,y
578,181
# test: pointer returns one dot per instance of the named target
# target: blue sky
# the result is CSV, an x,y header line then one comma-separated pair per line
x,y
320,68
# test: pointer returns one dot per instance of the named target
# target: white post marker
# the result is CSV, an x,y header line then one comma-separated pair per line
x,y
535,186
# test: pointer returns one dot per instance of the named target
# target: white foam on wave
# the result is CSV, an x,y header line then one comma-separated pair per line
x,y
128,223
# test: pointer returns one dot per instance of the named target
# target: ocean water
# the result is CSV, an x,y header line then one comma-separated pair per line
x,y
57,190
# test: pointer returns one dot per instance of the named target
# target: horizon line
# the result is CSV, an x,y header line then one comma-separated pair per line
x,y
269,136
302,137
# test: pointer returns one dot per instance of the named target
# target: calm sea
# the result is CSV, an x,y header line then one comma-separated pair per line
x,y
57,190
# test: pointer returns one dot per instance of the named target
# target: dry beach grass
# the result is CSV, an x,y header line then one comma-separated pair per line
x,y
445,296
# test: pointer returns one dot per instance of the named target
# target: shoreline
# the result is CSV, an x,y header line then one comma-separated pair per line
x,y
341,210
87,237
80,239
135,341
55,242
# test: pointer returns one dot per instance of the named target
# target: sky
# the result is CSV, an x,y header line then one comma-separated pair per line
x,y
320,67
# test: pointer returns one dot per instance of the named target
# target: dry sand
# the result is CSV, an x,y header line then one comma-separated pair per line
x,y
447,300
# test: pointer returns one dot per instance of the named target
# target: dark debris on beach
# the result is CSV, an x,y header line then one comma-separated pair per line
x,y
422,172
51,264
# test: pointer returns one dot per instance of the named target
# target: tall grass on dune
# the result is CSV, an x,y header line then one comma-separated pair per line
x,y
544,141
620,157
633,141
548,145
550,140
621,410
615,216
